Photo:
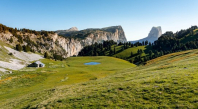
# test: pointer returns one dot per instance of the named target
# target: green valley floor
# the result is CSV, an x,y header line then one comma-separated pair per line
x,y
170,81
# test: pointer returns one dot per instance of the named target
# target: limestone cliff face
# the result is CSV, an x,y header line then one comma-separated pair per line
x,y
155,32
70,44
74,45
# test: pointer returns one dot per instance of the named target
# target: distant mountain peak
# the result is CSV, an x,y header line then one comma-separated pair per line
x,y
155,32
68,30
153,35
72,29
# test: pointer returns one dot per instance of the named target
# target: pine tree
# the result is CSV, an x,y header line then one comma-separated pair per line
x,y
46,55
149,43
20,39
132,45
129,44
146,42
142,42
26,48
19,47
138,51
96,54
11,40
131,54
114,50
136,59
57,57
145,59
150,53
131,61
92,53
161,53
111,52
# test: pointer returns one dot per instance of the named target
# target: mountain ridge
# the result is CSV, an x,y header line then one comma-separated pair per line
x,y
45,41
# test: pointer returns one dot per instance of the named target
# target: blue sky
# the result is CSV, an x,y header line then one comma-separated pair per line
x,y
136,17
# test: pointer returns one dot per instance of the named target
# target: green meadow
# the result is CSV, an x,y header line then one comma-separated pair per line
x,y
126,54
57,73
169,81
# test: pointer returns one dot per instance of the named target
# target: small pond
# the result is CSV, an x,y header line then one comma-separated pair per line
x,y
92,63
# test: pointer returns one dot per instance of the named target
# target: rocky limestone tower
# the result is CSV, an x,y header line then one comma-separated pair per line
x,y
73,45
153,35
68,42
155,32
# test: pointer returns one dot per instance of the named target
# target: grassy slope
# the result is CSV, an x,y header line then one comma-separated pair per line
x,y
4,52
126,54
57,73
117,48
169,81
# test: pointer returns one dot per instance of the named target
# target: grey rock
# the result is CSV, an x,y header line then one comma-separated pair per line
x,y
154,34
73,29
68,42
73,46
68,30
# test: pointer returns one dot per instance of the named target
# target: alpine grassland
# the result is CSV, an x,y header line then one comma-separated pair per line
x,y
126,54
98,54
169,81
27,81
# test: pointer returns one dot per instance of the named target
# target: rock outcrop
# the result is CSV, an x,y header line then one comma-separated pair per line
x,y
72,29
86,37
154,34
65,42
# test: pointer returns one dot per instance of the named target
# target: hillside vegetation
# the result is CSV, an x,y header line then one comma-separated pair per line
x,y
27,81
31,41
4,54
141,52
169,81
166,75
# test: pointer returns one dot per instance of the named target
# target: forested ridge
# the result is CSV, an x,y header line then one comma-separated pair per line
x,y
137,53
169,42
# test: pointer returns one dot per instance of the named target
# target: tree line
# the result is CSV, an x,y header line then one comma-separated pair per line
x,y
179,41
169,42
14,31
